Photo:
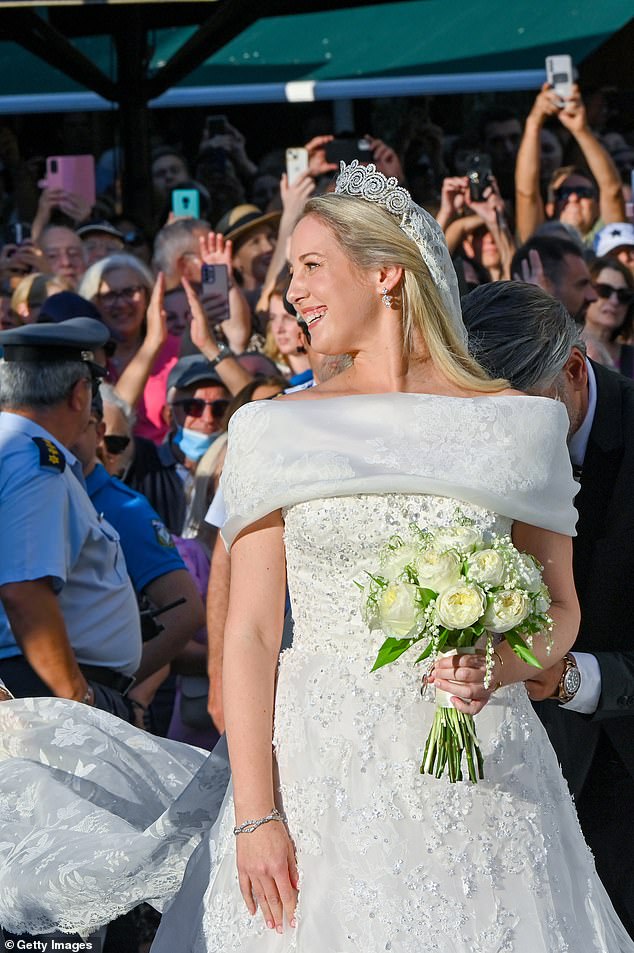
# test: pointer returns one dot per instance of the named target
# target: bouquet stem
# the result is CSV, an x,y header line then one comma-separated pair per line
x,y
452,735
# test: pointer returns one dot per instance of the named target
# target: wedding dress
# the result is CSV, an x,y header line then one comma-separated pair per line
x,y
96,816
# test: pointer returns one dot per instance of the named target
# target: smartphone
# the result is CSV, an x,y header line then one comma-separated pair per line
x,y
216,125
74,174
215,278
560,75
345,150
186,203
296,163
17,232
479,175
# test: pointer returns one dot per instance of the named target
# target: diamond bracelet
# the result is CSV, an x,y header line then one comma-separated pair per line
x,y
249,826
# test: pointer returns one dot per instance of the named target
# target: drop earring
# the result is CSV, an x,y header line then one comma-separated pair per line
x,y
387,299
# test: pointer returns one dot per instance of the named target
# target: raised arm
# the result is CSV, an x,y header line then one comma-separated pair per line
x,y
611,200
266,860
131,384
529,206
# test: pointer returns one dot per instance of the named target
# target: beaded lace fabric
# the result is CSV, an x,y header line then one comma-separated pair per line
x,y
366,182
96,815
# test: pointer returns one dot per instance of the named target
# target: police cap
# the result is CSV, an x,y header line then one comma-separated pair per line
x,y
73,340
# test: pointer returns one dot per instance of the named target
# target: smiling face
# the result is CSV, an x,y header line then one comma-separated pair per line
x,y
607,314
122,300
284,328
340,303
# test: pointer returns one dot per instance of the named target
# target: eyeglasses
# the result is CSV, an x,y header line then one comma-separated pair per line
x,y
110,298
195,406
581,191
115,443
623,295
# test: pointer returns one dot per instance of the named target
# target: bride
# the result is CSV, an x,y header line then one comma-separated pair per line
x,y
329,838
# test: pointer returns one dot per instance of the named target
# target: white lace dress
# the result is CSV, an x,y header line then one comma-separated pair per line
x,y
388,859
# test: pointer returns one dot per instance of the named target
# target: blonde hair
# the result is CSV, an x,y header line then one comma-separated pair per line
x,y
372,238
34,289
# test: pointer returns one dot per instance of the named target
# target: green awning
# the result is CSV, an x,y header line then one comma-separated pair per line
x,y
483,44
410,38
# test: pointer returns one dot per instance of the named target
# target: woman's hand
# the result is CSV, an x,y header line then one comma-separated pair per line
x,y
156,316
317,162
268,876
462,676
199,327
386,159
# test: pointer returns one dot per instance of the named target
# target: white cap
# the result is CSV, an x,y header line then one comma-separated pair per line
x,y
613,236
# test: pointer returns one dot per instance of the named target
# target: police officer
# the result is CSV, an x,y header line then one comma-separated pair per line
x,y
155,567
69,622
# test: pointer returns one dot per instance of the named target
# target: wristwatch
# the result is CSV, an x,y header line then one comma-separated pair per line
x,y
221,355
569,682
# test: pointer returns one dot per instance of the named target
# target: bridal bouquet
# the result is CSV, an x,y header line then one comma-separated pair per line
x,y
448,590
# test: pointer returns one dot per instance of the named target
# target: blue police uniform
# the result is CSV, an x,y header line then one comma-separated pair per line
x,y
146,542
50,530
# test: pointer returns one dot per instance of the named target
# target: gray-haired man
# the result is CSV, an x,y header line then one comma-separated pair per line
x,y
586,701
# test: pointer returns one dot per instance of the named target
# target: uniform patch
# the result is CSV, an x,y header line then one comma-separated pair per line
x,y
51,457
163,535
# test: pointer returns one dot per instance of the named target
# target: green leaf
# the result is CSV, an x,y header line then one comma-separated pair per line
x,y
379,580
390,651
358,585
426,654
521,649
425,596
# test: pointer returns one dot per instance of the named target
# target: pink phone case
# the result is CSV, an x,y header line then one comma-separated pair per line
x,y
74,174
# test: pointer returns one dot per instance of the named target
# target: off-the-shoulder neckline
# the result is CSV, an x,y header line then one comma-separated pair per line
x,y
484,397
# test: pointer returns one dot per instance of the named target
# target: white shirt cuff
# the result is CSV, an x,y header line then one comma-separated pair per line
x,y
217,512
586,700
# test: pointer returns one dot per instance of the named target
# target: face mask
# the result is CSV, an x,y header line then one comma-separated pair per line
x,y
193,444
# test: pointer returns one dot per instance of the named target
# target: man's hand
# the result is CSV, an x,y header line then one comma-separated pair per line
x,y
573,115
544,684
532,271
547,104
201,336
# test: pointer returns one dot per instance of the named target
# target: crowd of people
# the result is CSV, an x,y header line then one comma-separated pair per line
x,y
124,363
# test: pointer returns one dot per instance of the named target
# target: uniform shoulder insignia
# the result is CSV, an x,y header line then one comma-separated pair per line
x,y
51,457
163,535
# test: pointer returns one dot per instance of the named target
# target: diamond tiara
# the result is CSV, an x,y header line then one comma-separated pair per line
x,y
366,182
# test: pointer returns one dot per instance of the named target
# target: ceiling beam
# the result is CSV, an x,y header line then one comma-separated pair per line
x,y
229,19
39,37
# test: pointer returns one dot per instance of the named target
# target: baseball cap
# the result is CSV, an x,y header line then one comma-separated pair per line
x,y
613,236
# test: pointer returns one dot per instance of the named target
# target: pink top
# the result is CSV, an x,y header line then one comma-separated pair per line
x,y
150,423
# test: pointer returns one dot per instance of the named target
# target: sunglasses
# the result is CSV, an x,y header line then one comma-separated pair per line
x,y
623,295
581,191
195,406
115,444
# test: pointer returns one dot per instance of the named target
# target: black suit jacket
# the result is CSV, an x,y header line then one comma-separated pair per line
x,y
603,559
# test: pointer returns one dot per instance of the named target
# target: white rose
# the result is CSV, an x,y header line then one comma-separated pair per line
x,y
507,609
486,567
460,607
398,609
394,561
438,570
530,578
463,538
